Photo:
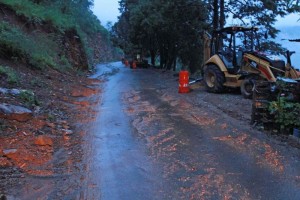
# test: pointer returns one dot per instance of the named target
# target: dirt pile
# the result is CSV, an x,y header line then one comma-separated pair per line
x,y
49,142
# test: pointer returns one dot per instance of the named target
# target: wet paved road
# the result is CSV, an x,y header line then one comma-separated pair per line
x,y
149,142
125,171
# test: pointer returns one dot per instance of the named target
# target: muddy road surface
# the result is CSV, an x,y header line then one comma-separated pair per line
x,y
141,139
150,142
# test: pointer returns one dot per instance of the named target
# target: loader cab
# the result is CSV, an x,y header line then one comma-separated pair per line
x,y
231,43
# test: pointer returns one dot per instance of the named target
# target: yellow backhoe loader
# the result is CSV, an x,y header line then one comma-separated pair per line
x,y
233,60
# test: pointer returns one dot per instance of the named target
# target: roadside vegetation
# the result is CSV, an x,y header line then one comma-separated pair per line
x,y
9,74
285,109
29,99
39,52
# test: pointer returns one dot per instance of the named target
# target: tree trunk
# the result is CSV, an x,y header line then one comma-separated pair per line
x,y
215,14
162,56
152,55
222,14
174,64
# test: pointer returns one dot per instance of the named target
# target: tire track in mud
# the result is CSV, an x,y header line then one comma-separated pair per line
x,y
203,178
187,150
191,178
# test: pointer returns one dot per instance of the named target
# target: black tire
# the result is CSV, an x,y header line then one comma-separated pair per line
x,y
247,88
214,79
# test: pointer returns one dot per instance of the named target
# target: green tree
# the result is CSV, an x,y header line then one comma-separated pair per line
x,y
260,13
171,29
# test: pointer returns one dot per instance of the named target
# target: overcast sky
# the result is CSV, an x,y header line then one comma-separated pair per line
x,y
107,10
290,20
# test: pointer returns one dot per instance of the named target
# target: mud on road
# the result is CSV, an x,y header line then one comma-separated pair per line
x,y
167,145
223,156
147,141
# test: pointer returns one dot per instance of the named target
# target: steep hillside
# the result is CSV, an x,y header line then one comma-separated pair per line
x,y
47,49
45,35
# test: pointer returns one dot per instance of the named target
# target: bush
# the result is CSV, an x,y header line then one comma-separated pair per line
x,y
37,82
29,98
12,76
3,125
286,114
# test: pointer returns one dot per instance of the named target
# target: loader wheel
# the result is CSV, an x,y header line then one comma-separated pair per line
x,y
247,88
214,79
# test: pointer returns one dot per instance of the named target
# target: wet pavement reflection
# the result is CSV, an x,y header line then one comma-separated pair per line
x,y
149,142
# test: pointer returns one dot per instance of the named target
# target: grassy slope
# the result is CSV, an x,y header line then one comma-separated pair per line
x,y
37,40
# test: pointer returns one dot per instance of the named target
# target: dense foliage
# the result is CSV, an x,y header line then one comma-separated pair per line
x,y
56,19
10,75
36,51
172,29
286,113
286,107
263,14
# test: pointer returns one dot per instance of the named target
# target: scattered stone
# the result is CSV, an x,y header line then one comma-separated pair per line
x,y
294,138
51,125
15,91
37,109
66,126
83,92
67,132
4,109
10,153
63,122
66,137
48,76
11,91
13,112
7,152
40,132
4,162
3,90
224,126
43,140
